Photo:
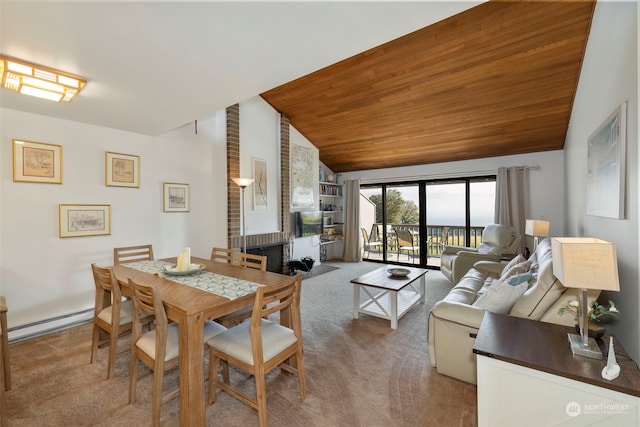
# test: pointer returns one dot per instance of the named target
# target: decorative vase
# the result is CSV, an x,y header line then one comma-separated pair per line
x,y
595,331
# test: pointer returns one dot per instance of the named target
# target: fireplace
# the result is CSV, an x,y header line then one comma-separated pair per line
x,y
273,253
274,245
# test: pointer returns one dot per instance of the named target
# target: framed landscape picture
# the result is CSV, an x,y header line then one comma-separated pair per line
x,y
37,162
122,170
176,197
606,152
84,220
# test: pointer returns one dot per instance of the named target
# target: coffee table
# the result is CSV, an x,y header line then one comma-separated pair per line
x,y
389,297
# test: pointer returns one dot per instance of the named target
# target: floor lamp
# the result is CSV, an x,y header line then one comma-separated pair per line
x,y
243,183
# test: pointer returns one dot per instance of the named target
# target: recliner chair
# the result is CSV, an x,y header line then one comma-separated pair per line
x,y
496,240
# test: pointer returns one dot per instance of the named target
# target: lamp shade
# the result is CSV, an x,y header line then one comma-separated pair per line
x,y
243,182
536,228
585,262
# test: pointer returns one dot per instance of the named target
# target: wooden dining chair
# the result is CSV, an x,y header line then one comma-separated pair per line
x,y
224,255
111,314
132,254
159,348
259,346
258,262
5,343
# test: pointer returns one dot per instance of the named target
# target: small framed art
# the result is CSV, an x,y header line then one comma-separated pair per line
x,y
84,220
122,170
176,197
37,162
259,184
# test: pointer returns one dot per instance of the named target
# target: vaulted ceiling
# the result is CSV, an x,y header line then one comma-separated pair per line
x,y
497,79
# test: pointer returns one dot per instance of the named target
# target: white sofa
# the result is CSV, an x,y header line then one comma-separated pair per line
x,y
454,321
497,240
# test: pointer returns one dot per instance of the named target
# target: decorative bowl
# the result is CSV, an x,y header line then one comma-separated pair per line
x,y
171,270
398,272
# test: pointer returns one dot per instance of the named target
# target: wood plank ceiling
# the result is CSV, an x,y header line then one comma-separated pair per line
x,y
497,79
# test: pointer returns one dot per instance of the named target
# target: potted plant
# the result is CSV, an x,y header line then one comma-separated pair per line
x,y
597,312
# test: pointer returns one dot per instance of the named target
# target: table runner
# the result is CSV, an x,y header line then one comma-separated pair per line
x,y
218,284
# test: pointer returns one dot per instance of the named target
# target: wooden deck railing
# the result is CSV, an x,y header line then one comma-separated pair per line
x,y
455,235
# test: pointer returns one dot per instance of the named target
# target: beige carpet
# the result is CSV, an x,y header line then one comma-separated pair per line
x,y
359,373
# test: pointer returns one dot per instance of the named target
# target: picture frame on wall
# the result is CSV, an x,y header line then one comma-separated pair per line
x,y
122,170
260,195
37,162
84,220
176,197
606,158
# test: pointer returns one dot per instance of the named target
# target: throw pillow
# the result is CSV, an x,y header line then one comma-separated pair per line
x,y
515,260
523,267
500,297
520,278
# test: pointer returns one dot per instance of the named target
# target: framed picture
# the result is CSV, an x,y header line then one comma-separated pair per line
x,y
37,162
302,177
122,170
606,154
176,197
84,220
259,185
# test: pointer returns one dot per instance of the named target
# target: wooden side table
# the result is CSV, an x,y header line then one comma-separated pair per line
x,y
527,376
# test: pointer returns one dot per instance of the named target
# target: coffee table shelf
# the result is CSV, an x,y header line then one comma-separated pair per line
x,y
389,297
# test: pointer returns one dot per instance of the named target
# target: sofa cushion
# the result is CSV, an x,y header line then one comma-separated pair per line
x,y
500,296
515,260
520,278
520,268
537,300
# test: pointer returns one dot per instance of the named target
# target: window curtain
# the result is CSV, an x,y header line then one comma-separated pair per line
x,y
351,213
512,197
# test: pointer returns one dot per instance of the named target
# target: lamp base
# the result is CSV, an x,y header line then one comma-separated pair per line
x,y
591,351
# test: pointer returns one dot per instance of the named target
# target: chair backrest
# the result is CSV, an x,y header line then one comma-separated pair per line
x,y
146,299
132,254
105,281
224,255
498,239
444,236
404,238
364,235
258,262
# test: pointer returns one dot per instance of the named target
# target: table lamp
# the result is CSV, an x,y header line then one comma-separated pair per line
x,y
536,228
585,263
243,183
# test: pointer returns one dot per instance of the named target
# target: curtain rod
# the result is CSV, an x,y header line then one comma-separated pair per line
x,y
442,175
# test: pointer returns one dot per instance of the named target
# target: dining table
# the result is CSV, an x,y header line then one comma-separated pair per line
x,y
190,300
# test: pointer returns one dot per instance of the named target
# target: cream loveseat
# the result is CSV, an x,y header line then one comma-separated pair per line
x,y
454,321
497,240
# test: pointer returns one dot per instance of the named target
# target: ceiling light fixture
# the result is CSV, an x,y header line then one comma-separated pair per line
x,y
39,81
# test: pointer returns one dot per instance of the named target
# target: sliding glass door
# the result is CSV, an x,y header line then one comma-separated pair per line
x,y
410,223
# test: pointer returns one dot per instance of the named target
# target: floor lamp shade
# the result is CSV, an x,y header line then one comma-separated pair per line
x,y
585,263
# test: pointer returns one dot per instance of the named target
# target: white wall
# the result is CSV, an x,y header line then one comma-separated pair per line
x,y
547,182
260,139
609,77
44,276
